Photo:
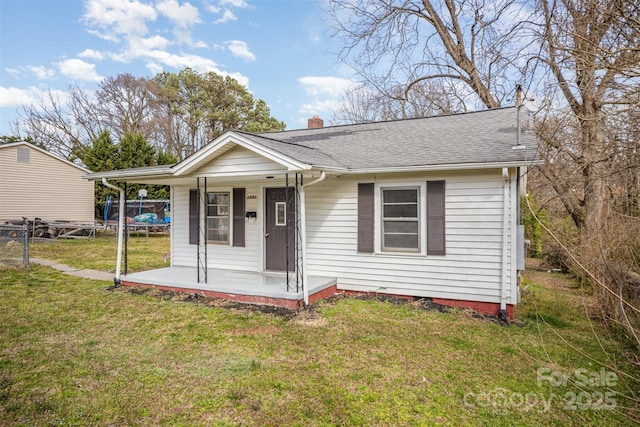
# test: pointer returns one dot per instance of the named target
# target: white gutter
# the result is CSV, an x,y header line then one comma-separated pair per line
x,y
121,225
505,241
431,168
303,237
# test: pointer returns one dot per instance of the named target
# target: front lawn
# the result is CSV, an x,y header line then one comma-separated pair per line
x,y
100,253
73,352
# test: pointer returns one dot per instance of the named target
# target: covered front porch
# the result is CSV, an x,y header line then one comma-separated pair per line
x,y
236,285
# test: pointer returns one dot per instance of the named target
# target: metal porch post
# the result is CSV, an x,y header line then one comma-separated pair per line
x,y
202,232
126,232
286,228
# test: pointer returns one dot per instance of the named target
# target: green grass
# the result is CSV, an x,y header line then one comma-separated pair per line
x,y
100,253
74,353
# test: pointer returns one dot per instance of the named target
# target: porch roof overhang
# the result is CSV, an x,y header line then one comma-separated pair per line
x,y
166,176
186,170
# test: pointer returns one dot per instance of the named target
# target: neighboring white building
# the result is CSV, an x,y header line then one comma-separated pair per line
x,y
421,207
37,184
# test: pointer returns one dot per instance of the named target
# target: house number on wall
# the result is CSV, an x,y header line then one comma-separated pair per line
x,y
252,197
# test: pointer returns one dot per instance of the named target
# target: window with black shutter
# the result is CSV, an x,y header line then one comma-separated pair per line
x,y
365,217
436,239
193,217
238,216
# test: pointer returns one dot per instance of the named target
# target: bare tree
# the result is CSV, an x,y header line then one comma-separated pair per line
x,y
53,125
121,104
583,55
584,52
125,104
427,98
402,44
589,53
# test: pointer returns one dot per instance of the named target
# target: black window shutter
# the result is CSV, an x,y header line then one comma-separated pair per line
x,y
238,216
365,217
435,218
193,217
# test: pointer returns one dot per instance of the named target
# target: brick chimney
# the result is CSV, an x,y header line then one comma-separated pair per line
x,y
315,123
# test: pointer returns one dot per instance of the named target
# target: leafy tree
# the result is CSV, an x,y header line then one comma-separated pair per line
x,y
102,155
132,151
9,139
178,112
199,107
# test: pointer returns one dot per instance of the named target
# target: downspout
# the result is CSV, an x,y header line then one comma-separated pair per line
x,y
303,236
121,225
505,242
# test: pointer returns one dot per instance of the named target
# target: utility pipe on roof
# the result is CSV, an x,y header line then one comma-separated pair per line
x,y
303,237
121,225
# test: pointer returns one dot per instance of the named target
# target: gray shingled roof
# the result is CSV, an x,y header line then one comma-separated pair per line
x,y
447,142
471,138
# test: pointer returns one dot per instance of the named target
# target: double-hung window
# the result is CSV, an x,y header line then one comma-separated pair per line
x,y
400,219
218,219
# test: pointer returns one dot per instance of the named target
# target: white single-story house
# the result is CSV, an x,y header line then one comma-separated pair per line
x,y
37,184
424,207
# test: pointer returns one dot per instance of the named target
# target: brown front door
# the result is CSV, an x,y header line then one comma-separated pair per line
x,y
279,229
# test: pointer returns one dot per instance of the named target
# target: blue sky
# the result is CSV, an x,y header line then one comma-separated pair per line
x,y
280,50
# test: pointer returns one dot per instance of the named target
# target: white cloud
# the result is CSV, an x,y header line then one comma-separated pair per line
x,y
119,16
16,97
332,86
212,8
78,69
183,15
139,45
13,72
226,6
234,3
154,68
326,94
240,49
178,62
110,37
227,16
41,72
319,107
91,54
183,37
243,80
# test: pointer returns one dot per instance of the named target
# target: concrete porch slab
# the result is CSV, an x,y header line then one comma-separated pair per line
x,y
234,285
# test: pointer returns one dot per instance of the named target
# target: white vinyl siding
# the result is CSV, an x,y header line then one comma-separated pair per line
x,y
471,269
218,256
37,184
240,162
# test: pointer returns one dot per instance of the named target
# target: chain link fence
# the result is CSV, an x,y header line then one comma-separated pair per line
x,y
14,245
